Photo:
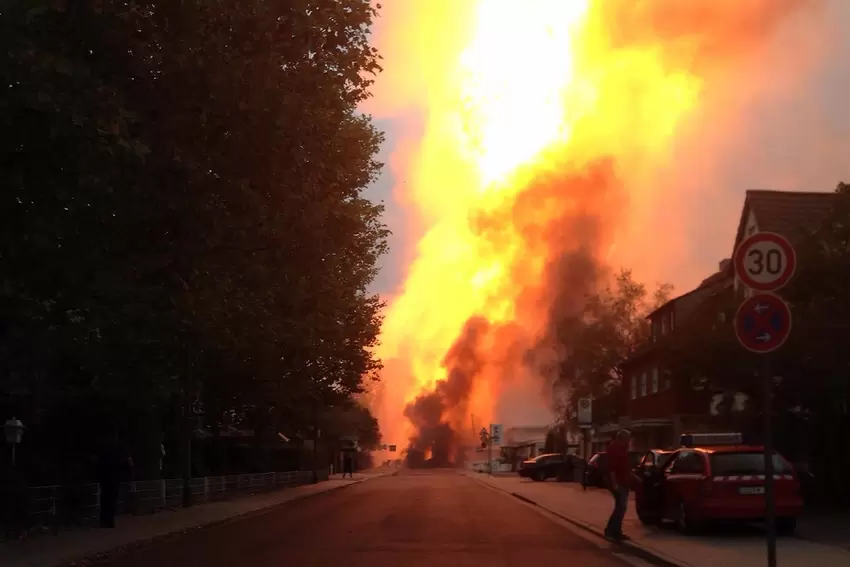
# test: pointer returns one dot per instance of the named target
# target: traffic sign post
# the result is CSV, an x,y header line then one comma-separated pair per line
x,y
496,433
484,435
765,262
495,436
763,323
584,413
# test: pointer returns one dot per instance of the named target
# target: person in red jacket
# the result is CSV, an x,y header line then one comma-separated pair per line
x,y
619,473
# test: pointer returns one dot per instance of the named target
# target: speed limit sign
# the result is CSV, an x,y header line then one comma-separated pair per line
x,y
765,261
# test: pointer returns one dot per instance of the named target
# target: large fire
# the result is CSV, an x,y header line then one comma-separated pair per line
x,y
544,120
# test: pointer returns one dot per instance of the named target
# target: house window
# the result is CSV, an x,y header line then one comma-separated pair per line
x,y
664,325
667,382
672,319
634,386
654,379
643,384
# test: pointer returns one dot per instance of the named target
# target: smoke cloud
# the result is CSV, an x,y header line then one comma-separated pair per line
x,y
567,241
670,219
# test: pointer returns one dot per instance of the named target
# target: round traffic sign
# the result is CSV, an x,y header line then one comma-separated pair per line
x,y
584,403
765,261
763,323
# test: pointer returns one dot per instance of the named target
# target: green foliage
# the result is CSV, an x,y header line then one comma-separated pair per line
x,y
351,419
182,202
821,310
610,327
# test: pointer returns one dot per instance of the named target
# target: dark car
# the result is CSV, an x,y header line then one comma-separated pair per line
x,y
596,471
551,465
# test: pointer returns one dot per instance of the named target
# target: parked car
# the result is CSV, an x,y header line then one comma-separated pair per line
x,y
551,465
596,471
705,483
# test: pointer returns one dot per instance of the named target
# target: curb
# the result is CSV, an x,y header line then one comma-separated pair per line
x,y
116,552
653,557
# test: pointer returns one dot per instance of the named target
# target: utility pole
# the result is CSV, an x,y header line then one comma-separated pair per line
x,y
769,494
315,438
765,262
187,427
490,450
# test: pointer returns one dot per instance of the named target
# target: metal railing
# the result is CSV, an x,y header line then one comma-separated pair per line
x,y
58,504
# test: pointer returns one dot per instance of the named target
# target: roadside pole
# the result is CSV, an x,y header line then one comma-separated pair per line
x,y
188,429
486,443
584,416
769,491
764,262
490,451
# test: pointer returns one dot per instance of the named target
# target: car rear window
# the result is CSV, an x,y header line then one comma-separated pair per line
x,y
725,464
661,459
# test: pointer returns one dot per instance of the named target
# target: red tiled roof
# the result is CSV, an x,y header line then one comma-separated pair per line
x,y
792,214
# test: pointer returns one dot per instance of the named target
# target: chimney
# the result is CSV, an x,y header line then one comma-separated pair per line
x,y
724,264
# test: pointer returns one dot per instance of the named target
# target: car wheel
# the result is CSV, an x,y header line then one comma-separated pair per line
x,y
683,519
786,526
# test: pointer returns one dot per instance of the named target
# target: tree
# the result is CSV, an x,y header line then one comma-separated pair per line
x,y
816,361
287,244
351,419
189,177
610,327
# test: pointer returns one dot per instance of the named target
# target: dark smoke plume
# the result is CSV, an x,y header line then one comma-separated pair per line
x,y
571,238
429,412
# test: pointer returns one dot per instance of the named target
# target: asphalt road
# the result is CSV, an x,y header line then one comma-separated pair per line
x,y
415,518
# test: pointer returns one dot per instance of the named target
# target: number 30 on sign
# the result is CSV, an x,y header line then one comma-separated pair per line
x,y
765,261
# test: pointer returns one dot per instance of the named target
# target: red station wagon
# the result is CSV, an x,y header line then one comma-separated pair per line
x,y
714,481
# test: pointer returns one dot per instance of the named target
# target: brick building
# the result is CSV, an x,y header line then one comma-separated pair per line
x,y
657,405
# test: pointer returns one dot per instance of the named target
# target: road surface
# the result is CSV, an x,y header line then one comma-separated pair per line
x,y
412,519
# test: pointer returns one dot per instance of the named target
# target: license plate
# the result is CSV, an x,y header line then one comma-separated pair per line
x,y
751,490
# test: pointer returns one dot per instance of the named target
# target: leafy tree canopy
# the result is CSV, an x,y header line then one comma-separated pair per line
x,y
183,197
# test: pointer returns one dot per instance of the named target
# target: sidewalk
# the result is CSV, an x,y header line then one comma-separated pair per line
x,y
73,545
590,509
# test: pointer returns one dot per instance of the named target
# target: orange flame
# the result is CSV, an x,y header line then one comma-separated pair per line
x,y
512,92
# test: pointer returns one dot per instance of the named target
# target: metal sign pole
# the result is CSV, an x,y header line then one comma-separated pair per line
x,y
769,496
765,262
490,451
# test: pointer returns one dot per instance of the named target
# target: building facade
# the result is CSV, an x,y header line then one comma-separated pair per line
x,y
658,406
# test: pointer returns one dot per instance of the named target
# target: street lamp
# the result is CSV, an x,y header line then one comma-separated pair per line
x,y
14,430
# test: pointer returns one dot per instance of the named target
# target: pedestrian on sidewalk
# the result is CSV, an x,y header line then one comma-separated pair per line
x,y
619,474
347,465
114,464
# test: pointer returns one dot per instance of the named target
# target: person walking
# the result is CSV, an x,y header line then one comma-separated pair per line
x,y
347,465
114,463
619,474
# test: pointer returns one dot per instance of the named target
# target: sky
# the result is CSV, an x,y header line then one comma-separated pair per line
x,y
790,131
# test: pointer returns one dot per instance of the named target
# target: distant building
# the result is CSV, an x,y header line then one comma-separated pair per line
x,y
523,442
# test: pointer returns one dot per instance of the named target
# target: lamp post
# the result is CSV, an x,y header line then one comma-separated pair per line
x,y
14,430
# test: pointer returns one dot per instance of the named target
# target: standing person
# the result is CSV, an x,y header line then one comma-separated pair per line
x,y
113,464
619,473
347,465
